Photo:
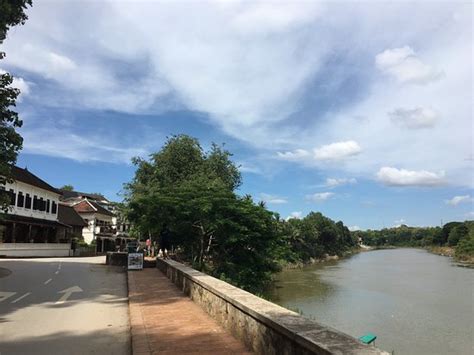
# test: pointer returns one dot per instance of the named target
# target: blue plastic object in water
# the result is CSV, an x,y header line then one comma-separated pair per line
x,y
368,338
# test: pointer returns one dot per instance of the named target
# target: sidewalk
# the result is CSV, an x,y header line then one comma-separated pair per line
x,y
165,321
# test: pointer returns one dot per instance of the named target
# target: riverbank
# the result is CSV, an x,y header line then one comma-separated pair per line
x,y
326,258
462,260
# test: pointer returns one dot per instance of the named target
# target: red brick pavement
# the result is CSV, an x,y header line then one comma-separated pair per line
x,y
165,321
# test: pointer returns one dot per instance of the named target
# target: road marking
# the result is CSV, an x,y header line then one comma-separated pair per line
x,y
57,272
5,295
48,281
59,266
67,293
21,297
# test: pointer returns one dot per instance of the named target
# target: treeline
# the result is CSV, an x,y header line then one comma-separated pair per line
x,y
459,235
315,237
214,229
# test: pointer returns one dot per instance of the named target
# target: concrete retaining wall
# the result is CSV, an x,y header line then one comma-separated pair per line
x,y
264,327
116,258
34,249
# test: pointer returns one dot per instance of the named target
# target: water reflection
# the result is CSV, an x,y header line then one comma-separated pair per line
x,y
416,302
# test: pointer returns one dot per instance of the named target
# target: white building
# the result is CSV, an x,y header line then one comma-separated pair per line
x,y
31,226
99,220
105,225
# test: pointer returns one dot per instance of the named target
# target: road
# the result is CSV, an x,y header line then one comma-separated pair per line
x,y
63,306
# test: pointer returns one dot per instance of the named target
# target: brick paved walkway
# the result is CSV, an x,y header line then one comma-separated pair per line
x,y
165,321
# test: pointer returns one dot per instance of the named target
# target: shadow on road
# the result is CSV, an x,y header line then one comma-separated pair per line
x,y
38,315
61,343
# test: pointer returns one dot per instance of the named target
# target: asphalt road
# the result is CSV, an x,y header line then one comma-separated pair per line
x,y
63,306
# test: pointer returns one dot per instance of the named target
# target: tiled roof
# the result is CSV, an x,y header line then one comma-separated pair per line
x,y
88,206
66,194
69,216
29,178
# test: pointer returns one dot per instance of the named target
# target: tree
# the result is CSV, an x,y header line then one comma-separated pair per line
x,y
313,236
12,13
67,188
465,246
213,228
441,238
456,234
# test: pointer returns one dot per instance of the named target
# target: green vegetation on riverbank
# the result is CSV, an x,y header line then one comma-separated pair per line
x,y
212,227
453,239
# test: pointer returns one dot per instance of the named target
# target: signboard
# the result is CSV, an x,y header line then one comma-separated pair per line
x,y
135,261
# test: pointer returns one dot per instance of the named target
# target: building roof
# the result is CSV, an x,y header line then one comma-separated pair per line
x,y
23,175
88,206
66,194
69,216
34,221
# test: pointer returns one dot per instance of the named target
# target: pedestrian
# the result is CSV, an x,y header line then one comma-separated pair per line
x,y
148,247
165,240
73,246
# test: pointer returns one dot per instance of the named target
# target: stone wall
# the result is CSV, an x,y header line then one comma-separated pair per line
x,y
35,249
264,327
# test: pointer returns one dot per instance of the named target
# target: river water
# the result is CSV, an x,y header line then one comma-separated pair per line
x,y
414,301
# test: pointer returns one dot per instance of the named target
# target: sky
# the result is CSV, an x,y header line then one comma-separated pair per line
x,y
359,110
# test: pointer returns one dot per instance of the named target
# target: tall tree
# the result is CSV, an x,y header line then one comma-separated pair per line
x,y
212,227
12,13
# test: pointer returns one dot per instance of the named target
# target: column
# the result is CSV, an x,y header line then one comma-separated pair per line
x,y
13,232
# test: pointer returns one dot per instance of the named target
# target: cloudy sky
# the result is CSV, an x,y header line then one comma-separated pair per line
x,y
362,111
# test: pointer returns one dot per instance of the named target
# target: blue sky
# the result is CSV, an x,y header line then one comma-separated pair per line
x,y
362,111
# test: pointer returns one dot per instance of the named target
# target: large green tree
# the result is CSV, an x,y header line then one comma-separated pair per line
x,y
213,228
12,13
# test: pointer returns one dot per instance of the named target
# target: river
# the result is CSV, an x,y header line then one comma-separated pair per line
x,y
414,301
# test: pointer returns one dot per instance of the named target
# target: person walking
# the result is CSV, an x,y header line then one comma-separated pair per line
x,y
148,247
165,240
73,246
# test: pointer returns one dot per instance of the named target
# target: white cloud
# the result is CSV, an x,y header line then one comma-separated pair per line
x,y
264,17
404,65
456,200
334,182
246,167
66,144
277,75
414,118
272,199
399,223
354,228
337,151
295,155
320,196
295,214
20,84
401,177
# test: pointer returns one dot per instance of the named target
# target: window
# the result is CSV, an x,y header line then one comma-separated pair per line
x,y
41,204
47,205
54,207
21,199
28,201
35,202
12,197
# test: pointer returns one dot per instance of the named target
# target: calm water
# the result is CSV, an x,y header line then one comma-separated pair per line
x,y
414,301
